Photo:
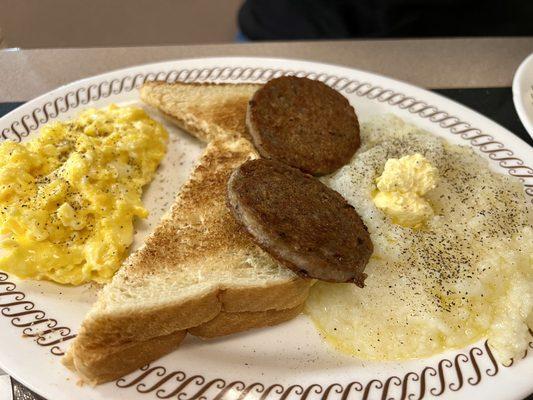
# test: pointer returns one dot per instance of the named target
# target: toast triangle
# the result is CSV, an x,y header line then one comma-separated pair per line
x,y
198,271
206,110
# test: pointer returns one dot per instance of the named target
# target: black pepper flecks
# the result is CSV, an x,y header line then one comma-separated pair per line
x,y
476,211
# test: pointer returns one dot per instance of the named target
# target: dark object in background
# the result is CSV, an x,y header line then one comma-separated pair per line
x,y
337,19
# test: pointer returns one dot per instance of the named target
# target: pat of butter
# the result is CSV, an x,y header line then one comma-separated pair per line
x,y
401,189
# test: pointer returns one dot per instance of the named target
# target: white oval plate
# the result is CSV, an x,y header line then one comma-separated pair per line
x,y
523,93
289,361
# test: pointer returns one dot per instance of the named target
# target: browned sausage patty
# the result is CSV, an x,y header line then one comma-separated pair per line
x,y
303,123
299,221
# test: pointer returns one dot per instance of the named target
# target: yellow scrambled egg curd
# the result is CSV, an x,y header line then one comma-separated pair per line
x,y
69,196
401,187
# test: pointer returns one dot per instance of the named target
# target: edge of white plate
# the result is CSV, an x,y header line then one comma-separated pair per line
x,y
517,144
518,100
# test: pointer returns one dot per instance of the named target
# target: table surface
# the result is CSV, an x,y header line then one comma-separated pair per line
x,y
475,71
430,63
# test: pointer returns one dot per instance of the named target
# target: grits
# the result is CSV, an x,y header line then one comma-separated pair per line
x,y
466,275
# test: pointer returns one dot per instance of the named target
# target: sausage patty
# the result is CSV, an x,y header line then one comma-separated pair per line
x,y
303,123
299,221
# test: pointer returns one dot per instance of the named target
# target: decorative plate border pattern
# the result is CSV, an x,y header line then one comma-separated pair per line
x,y
33,322
431,380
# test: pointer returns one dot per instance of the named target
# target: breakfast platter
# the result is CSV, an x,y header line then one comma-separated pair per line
x,y
41,319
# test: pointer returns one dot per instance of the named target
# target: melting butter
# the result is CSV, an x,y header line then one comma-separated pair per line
x,y
401,189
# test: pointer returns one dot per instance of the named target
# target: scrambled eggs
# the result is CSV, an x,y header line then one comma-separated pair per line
x,y
401,187
467,275
69,196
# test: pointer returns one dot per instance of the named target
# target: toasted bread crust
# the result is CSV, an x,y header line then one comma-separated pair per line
x,y
227,323
104,364
118,329
115,329
107,363
279,296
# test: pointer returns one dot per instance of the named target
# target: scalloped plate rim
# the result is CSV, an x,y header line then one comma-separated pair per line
x,y
516,144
